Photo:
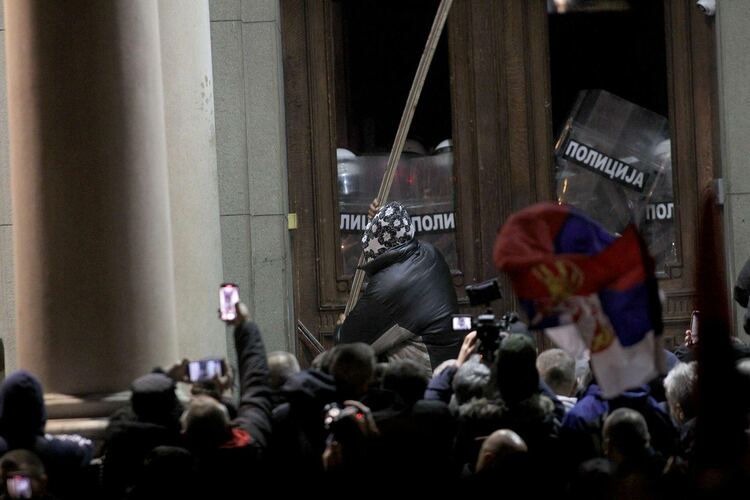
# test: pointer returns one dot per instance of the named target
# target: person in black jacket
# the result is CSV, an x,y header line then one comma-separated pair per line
x,y
151,419
405,311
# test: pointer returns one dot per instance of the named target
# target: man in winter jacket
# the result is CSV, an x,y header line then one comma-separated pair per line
x,y
151,419
405,311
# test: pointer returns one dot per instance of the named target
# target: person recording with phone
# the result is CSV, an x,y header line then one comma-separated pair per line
x,y
227,450
224,443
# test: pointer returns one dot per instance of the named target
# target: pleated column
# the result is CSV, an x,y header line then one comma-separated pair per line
x,y
93,254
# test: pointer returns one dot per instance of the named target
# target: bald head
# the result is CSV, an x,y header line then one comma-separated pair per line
x,y
281,366
500,446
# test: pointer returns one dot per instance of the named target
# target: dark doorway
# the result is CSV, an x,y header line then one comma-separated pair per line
x,y
622,51
381,43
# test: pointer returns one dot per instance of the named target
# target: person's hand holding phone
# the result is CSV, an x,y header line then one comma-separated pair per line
x,y
691,335
242,315
179,371
468,348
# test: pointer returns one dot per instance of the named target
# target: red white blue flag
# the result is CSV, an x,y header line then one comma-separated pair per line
x,y
593,294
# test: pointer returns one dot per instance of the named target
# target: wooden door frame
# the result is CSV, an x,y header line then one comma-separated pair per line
x,y
503,144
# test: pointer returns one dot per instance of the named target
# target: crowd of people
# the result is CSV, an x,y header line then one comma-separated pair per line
x,y
401,405
526,424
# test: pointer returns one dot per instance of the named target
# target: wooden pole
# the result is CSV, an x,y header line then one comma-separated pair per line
x,y
403,129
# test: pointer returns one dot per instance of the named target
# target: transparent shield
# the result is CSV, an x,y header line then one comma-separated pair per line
x,y
424,184
613,162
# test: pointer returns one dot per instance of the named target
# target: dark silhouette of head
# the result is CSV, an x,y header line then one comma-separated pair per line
x,y
625,435
206,423
517,377
593,480
352,367
407,379
154,400
322,362
23,414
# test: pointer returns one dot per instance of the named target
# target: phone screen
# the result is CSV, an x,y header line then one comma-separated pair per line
x,y
462,323
19,486
229,296
694,326
205,369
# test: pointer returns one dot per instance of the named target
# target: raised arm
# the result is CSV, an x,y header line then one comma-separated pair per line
x,y
254,413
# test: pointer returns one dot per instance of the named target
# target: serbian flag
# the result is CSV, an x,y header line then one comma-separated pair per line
x,y
593,294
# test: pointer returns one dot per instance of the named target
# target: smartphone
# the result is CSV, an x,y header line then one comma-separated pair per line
x,y
18,486
461,322
229,296
694,326
205,369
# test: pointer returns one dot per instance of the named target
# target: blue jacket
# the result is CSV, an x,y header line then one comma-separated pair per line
x,y
582,425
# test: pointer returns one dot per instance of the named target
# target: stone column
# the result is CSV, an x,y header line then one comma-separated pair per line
x,y
94,289
185,35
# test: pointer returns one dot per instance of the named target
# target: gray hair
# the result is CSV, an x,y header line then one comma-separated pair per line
x,y
558,370
679,386
470,381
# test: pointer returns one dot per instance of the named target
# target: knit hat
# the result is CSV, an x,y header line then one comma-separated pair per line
x,y
153,399
390,228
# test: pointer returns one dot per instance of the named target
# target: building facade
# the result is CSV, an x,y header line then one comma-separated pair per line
x,y
269,104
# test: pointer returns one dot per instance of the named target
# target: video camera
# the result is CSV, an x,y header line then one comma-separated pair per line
x,y
489,328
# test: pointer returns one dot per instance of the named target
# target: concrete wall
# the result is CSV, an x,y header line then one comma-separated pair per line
x,y
251,159
733,68
7,279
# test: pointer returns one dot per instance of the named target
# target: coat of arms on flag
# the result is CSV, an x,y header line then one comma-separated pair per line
x,y
592,293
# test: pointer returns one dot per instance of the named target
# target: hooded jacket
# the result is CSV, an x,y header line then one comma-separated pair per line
x,y
405,311
22,420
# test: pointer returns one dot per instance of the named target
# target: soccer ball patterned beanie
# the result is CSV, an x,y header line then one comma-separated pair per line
x,y
390,228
